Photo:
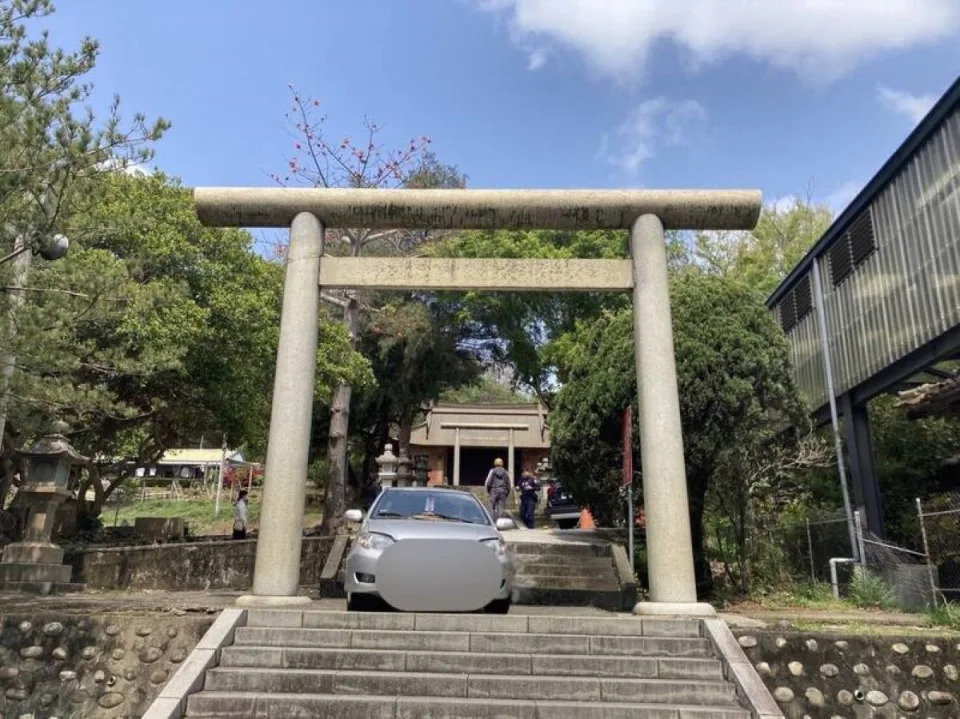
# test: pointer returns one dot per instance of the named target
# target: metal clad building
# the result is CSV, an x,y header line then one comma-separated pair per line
x,y
890,272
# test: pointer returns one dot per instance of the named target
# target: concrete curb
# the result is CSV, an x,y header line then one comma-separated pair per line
x,y
172,700
626,577
738,669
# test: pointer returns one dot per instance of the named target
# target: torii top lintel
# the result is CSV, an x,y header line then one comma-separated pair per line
x,y
478,209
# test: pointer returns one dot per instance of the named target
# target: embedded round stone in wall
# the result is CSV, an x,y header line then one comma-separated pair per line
x,y
932,648
150,654
796,669
158,676
25,627
939,697
763,669
16,694
841,644
179,654
861,670
172,632
32,652
747,642
59,653
922,671
79,697
53,629
893,670
47,699
99,676
118,654
110,700
908,701
900,648
67,676
877,698
144,631
950,672
829,670
9,672
844,697
89,652
781,642
783,694
815,697
811,644
130,674
112,630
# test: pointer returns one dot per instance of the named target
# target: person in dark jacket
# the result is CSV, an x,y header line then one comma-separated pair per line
x,y
498,486
529,496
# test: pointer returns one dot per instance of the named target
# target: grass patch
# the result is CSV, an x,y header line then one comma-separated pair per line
x,y
811,595
199,514
869,591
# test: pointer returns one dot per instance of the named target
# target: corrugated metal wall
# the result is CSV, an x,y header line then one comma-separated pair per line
x,y
904,294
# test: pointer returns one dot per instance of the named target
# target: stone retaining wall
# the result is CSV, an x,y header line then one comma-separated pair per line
x,y
91,666
825,675
225,564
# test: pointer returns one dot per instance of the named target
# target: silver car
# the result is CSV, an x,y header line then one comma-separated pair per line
x,y
428,550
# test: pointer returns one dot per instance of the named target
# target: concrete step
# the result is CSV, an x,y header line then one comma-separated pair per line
x,y
574,570
472,663
251,705
486,642
614,625
549,596
606,583
523,560
560,548
478,686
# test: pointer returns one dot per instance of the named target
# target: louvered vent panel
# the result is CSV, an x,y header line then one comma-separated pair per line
x,y
861,237
841,262
788,313
803,297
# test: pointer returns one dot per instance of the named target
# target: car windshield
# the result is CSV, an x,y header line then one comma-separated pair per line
x,y
450,506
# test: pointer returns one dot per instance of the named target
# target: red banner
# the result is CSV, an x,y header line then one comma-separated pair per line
x,y
627,447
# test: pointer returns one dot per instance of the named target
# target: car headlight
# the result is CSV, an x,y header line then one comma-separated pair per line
x,y
373,540
496,544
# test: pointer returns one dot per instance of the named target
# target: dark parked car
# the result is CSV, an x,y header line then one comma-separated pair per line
x,y
560,507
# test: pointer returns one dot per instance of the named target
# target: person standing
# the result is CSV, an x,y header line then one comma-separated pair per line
x,y
240,516
529,495
498,485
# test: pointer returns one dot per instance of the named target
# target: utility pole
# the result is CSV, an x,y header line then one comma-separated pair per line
x,y
22,257
223,465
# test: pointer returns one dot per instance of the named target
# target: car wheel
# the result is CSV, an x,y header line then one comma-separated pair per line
x,y
498,606
567,523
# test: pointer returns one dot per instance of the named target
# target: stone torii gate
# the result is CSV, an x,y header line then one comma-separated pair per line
x,y
645,213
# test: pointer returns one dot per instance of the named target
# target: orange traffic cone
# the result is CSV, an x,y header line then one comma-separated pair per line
x,y
586,520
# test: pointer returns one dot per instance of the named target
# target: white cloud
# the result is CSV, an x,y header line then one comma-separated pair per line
x,y
536,59
913,107
843,196
818,39
651,125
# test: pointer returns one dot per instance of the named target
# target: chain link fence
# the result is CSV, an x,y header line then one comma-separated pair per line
x,y
818,549
939,520
808,545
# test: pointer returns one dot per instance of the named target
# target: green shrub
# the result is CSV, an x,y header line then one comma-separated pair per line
x,y
868,590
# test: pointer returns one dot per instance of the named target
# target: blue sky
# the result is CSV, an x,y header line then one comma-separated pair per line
x,y
782,95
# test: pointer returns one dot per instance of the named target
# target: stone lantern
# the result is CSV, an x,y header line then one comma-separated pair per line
x,y
35,563
387,467
420,470
403,469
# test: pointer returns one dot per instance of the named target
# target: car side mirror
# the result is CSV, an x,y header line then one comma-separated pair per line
x,y
505,523
354,515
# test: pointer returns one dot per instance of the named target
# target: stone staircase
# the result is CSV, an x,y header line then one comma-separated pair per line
x,y
570,574
286,663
